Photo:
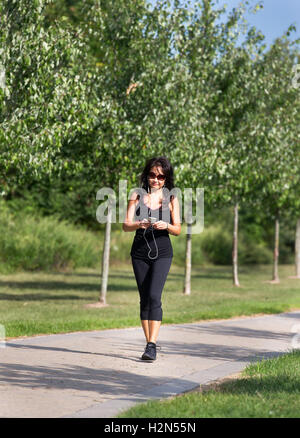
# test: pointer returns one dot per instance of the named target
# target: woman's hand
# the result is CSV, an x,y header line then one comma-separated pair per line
x,y
160,225
145,223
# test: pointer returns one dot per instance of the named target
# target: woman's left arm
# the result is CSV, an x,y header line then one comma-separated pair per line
x,y
175,229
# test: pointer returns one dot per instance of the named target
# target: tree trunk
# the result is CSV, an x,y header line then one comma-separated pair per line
x,y
235,246
105,258
188,261
297,249
276,252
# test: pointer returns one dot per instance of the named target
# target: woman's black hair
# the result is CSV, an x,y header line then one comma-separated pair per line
x,y
167,169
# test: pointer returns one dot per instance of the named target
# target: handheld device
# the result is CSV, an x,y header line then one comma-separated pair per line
x,y
152,220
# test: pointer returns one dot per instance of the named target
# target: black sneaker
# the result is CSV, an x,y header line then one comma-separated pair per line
x,y
150,352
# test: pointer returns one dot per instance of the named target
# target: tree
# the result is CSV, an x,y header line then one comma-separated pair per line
x,y
234,111
278,169
46,101
201,50
250,107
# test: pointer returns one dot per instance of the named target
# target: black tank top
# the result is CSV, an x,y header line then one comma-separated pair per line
x,y
139,248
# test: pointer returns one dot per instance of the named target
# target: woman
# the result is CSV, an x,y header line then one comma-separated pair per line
x,y
151,251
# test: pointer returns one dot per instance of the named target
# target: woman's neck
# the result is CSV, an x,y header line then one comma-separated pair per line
x,y
155,191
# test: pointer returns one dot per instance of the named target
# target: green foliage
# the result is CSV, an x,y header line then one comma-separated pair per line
x,y
47,96
30,242
213,245
93,88
67,199
216,244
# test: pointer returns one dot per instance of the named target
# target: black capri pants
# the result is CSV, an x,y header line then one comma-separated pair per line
x,y
151,276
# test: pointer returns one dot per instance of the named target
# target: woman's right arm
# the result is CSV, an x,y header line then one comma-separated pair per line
x,y
129,225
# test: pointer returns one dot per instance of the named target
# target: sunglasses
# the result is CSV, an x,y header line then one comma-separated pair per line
x,y
159,177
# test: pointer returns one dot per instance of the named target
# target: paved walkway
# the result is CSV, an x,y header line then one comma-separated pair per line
x,y
99,373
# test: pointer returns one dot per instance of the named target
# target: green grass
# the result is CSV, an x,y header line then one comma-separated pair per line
x,y
41,303
266,389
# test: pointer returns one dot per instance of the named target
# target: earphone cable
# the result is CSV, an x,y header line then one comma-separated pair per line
x,y
152,258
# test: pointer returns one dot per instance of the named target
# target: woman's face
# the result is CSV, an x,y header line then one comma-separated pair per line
x,y
156,183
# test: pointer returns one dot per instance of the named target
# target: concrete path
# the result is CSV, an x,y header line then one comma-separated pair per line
x,y
99,373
